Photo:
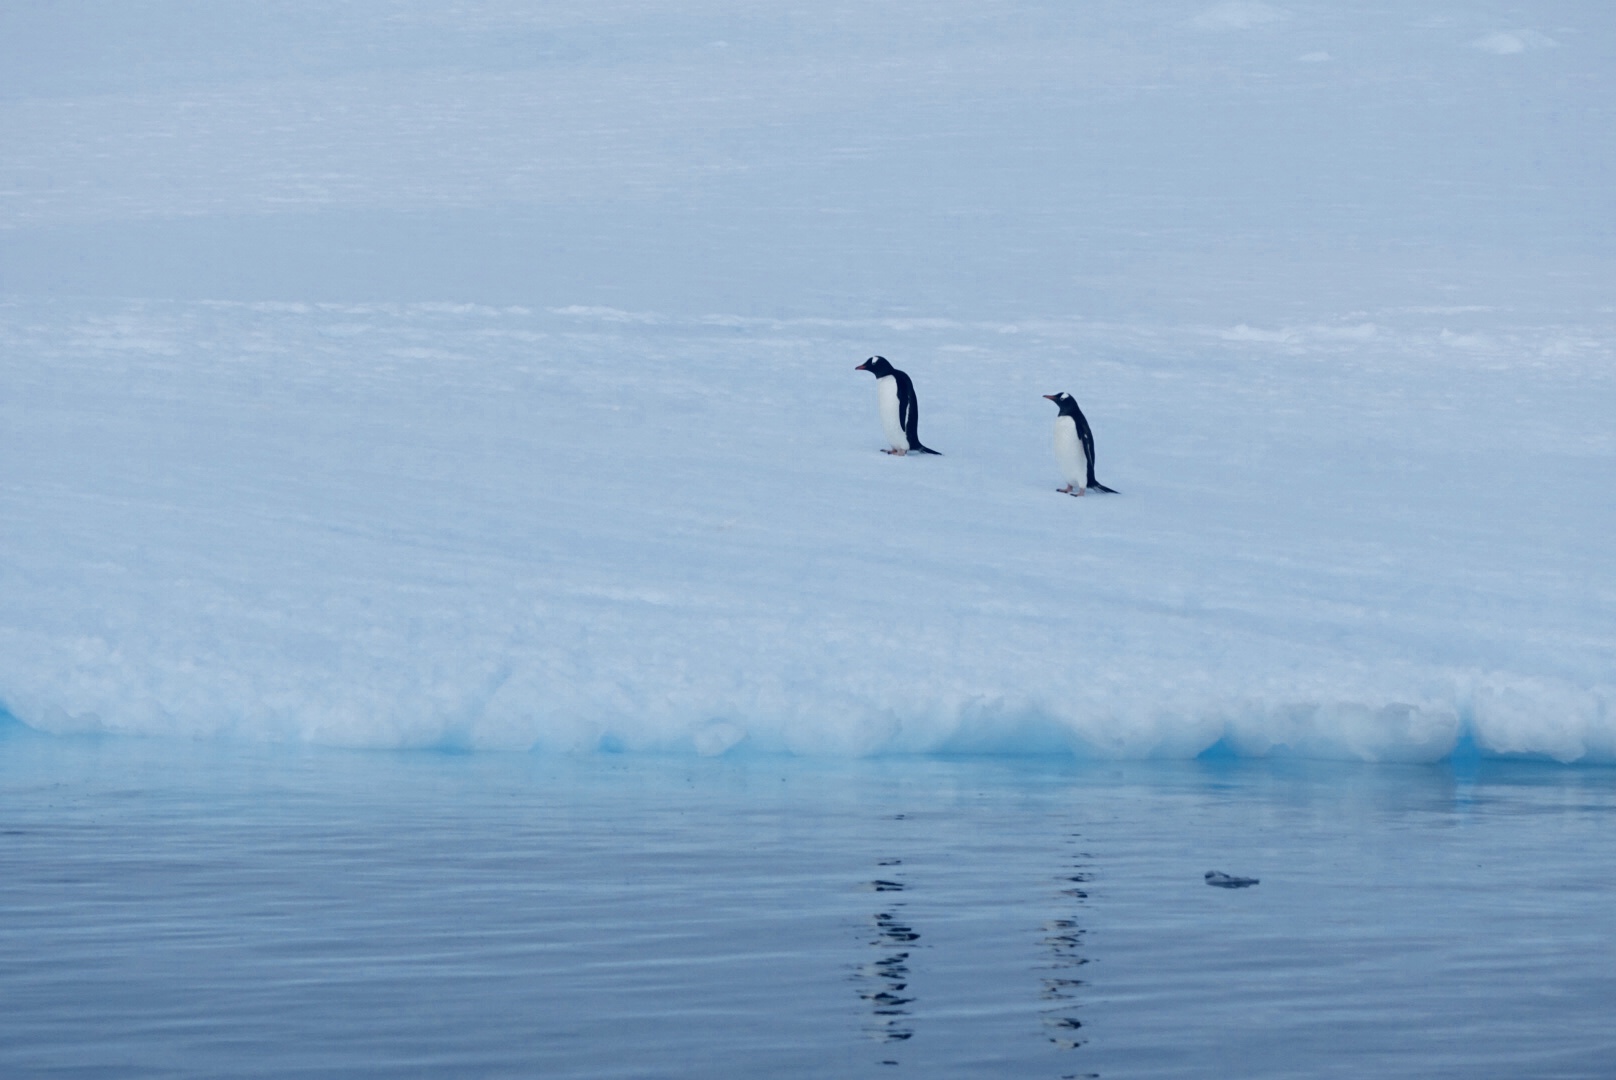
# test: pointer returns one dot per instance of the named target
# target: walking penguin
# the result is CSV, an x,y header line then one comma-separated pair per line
x,y
900,412
1074,447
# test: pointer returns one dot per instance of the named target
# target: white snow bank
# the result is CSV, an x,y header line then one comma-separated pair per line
x,y
391,525
1355,381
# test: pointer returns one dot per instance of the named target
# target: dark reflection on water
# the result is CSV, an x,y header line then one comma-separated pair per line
x,y
885,981
1063,937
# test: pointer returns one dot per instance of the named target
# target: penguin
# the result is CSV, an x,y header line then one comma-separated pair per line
x,y
900,411
1074,447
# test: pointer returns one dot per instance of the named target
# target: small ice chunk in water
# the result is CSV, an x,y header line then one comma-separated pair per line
x,y
1228,881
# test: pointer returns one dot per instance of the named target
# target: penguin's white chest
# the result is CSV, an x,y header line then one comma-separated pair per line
x,y
886,392
1069,452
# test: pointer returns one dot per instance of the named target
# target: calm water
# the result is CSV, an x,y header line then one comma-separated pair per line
x,y
175,909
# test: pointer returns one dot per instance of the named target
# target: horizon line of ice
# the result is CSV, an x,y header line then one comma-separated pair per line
x,y
1526,720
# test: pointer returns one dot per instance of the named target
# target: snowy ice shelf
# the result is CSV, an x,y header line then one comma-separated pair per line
x,y
1381,537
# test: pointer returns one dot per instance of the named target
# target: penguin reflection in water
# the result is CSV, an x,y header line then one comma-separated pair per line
x,y
900,411
1074,447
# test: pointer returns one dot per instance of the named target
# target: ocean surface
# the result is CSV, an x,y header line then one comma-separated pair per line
x,y
199,909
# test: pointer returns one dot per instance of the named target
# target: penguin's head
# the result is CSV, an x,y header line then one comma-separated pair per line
x,y
1065,402
877,366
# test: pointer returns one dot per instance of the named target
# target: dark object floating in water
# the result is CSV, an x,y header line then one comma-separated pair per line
x,y
886,886
1228,881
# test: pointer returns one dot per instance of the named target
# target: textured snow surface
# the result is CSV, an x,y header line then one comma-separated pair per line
x,y
482,375
387,525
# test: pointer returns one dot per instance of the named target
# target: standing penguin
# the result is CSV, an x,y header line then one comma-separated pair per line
x,y
1074,447
900,411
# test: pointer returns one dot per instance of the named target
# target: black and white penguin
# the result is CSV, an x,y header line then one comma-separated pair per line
x,y
1074,447
900,411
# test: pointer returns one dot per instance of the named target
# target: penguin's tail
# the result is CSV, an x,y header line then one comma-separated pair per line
x,y
1097,486
926,450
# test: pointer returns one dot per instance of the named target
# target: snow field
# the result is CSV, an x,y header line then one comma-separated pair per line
x,y
1331,283
1370,536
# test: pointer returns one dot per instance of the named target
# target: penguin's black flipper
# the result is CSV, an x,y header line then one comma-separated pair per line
x,y
909,414
1087,436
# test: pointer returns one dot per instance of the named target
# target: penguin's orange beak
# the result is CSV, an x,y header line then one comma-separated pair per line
x,y
1051,397
863,367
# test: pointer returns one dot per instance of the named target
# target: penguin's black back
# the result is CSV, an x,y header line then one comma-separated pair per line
x,y
909,412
